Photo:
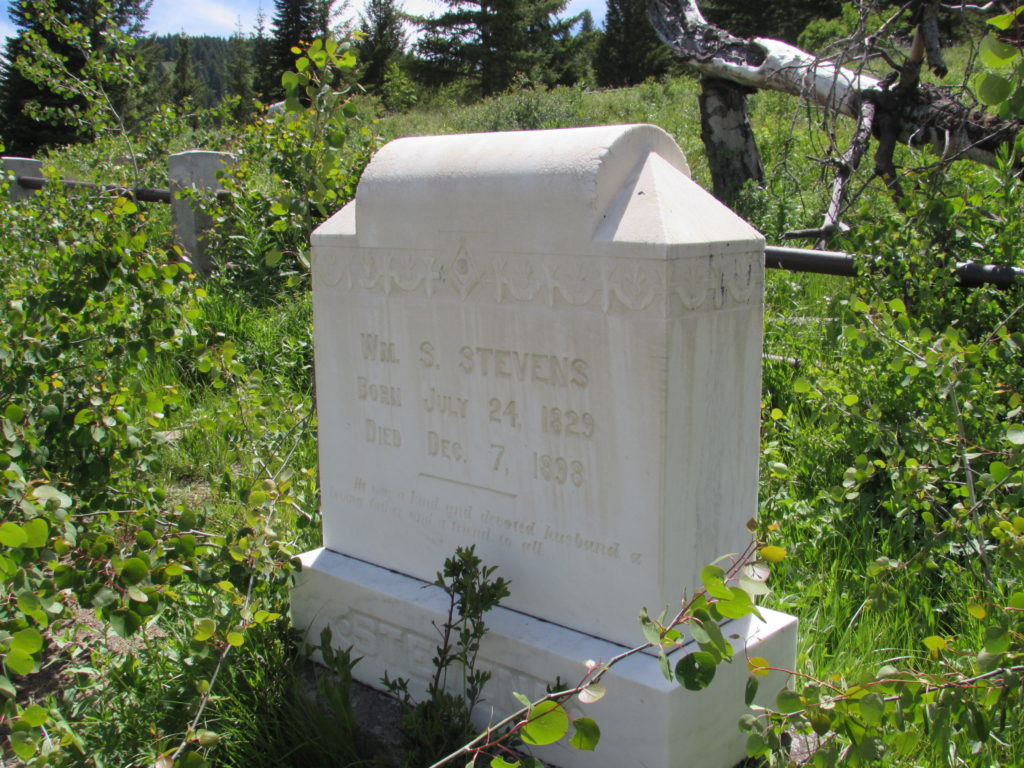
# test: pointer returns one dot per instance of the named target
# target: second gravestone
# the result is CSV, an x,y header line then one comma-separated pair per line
x,y
545,344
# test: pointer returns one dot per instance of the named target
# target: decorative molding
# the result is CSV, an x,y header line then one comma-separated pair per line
x,y
605,284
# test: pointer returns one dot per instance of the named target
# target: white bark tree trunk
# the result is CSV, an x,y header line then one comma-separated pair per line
x,y
917,114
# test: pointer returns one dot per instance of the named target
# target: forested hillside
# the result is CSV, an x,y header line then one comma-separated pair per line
x,y
158,463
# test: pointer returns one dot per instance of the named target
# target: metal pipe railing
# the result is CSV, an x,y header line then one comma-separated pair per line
x,y
970,273
142,194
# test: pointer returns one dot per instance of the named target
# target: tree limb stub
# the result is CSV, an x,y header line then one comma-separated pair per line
x,y
930,31
918,115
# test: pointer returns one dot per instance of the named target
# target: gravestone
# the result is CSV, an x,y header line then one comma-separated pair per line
x,y
547,345
196,170
20,166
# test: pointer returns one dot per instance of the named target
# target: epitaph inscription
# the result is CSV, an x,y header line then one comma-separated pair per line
x,y
545,412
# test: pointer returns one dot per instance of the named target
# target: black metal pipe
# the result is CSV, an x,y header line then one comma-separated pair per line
x,y
970,273
809,260
142,194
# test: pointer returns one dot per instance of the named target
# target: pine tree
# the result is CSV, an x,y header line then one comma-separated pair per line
x,y
587,39
779,19
382,41
630,51
490,41
266,85
238,77
296,22
184,85
22,134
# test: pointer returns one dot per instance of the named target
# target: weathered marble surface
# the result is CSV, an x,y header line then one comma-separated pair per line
x,y
547,344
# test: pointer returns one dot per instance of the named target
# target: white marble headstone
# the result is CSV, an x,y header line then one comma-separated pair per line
x,y
546,344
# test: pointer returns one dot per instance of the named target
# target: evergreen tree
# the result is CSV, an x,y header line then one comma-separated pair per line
x,y
779,19
588,39
184,85
382,41
264,70
156,84
490,41
572,53
630,51
238,79
296,22
21,133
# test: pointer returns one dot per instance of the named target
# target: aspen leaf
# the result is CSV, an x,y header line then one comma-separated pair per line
x,y
758,666
204,629
772,554
587,734
33,716
992,89
935,645
696,670
1003,21
27,640
997,639
547,723
19,662
789,701
1015,434
750,691
12,535
593,692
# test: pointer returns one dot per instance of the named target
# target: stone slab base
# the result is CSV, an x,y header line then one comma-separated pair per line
x,y
389,619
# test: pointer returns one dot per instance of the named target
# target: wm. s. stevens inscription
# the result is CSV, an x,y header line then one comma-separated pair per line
x,y
480,438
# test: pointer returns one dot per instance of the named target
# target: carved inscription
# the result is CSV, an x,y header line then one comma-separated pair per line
x,y
444,448
379,355
537,400
377,349
375,433
378,393
568,422
525,366
482,524
445,404
503,412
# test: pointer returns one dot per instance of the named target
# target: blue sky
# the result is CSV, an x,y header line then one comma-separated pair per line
x,y
221,17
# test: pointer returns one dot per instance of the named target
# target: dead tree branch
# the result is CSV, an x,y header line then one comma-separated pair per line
x,y
918,115
845,168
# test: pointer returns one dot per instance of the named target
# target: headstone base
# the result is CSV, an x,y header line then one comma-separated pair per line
x,y
390,621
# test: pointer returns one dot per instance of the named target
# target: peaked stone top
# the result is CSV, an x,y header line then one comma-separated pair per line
x,y
562,190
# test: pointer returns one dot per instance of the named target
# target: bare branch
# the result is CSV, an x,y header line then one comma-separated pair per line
x,y
845,168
